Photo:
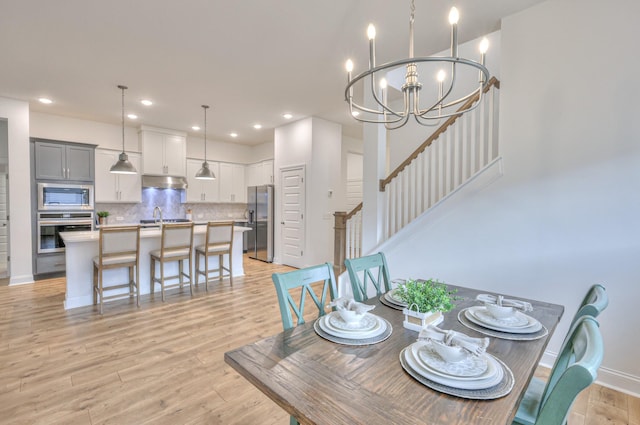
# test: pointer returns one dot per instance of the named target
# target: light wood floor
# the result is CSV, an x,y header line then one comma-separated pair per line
x,y
162,363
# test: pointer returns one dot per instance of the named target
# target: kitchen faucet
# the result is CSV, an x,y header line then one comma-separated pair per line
x,y
159,210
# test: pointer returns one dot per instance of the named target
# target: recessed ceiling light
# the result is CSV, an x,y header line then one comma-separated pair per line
x,y
195,128
233,134
146,102
132,116
257,126
287,116
45,100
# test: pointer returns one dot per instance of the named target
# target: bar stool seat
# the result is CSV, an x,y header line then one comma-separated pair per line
x,y
176,244
118,247
218,241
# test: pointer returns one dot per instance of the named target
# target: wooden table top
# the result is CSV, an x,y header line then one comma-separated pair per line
x,y
321,382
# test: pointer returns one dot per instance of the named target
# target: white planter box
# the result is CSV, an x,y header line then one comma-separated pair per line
x,y
416,321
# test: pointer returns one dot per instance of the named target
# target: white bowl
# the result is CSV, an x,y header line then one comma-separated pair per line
x,y
350,316
500,312
449,353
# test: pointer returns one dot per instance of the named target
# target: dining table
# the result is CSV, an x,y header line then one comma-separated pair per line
x,y
318,381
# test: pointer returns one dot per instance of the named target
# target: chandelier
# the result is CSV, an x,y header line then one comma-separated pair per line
x,y
435,108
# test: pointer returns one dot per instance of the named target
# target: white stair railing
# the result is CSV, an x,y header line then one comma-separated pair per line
x,y
449,158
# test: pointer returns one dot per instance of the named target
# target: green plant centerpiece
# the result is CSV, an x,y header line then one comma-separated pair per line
x,y
426,301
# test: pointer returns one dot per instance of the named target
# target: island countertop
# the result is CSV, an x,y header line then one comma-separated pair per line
x,y
82,247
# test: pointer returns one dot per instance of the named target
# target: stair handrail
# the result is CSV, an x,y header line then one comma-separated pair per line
x,y
384,182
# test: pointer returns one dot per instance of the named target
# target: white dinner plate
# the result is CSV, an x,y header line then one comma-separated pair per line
x,y
473,384
516,320
368,323
470,368
326,327
533,324
389,296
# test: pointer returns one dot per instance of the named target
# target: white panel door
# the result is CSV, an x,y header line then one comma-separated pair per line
x,y
293,212
4,239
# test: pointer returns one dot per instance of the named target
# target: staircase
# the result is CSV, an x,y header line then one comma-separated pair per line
x,y
457,151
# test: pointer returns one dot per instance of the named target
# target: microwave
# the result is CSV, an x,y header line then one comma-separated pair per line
x,y
57,196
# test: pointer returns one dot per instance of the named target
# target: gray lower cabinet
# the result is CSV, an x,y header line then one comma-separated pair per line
x,y
63,161
50,263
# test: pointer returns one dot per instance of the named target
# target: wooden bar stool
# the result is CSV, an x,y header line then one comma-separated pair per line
x,y
218,241
118,247
176,244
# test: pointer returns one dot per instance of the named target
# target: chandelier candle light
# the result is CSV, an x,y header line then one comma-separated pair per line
x,y
435,109
123,166
205,172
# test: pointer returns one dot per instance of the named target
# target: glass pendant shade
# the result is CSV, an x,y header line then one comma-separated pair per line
x,y
205,172
123,166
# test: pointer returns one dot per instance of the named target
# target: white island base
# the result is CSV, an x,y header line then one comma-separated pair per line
x,y
82,247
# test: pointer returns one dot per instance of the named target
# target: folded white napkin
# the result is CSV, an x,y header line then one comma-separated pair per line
x,y
474,345
504,302
346,303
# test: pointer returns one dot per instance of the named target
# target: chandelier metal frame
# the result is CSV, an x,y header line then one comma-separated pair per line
x,y
438,109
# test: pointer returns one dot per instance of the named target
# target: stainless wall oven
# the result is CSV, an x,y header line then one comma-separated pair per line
x,y
51,224
60,196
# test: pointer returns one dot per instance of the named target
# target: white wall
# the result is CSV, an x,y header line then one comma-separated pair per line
x,y
4,141
566,213
107,136
261,152
314,143
17,115
403,141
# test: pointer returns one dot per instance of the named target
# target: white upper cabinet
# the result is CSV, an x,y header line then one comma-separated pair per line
x,y
232,183
259,173
163,152
202,190
110,187
267,172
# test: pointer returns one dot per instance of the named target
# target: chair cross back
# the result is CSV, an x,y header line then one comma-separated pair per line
x,y
367,265
303,279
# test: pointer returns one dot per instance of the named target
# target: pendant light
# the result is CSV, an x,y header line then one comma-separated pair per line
x,y
205,172
123,166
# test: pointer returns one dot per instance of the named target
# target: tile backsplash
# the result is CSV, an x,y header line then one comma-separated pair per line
x,y
170,201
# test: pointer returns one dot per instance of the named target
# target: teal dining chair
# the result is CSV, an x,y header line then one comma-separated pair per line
x,y
574,370
374,269
593,303
304,279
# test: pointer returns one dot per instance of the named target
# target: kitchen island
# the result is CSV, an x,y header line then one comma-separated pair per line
x,y
82,247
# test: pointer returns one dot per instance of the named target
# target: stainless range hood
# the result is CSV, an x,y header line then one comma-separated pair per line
x,y
164,182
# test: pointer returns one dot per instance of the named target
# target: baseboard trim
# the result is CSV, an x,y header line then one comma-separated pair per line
x,y
21,280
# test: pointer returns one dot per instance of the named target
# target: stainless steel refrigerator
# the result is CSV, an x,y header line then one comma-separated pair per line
x,y
260,208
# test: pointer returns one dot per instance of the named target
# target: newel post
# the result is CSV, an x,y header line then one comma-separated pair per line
x,y
339,241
